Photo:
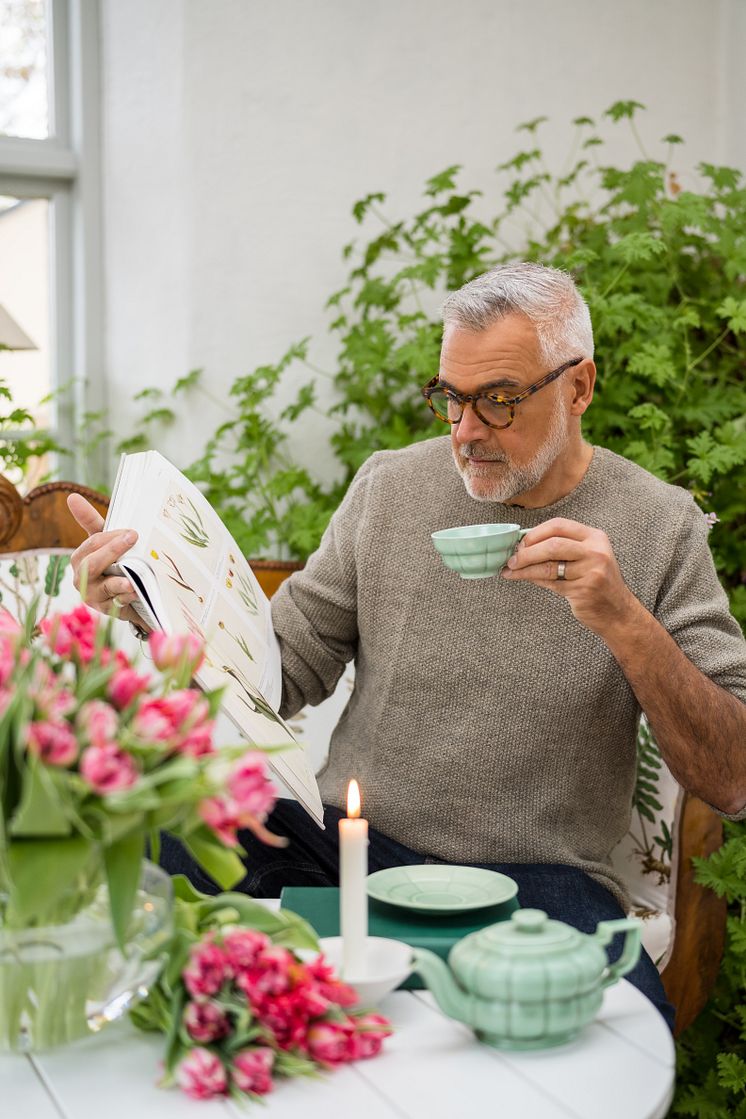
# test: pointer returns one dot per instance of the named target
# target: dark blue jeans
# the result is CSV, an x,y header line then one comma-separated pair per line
x,y
312,859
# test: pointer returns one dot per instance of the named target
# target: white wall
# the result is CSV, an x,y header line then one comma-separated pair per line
x,y
237,134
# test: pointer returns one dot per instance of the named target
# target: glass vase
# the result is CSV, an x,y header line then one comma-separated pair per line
x,y
61,982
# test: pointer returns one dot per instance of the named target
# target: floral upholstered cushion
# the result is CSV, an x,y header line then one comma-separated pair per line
x,y
646,856
27,574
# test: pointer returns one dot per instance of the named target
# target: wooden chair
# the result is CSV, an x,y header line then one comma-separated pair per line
x,y
41,520
700,914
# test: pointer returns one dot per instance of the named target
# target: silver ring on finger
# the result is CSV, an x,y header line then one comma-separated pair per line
x,y
561,567
116,601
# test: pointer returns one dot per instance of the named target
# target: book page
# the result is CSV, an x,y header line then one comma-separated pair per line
x,y
194,579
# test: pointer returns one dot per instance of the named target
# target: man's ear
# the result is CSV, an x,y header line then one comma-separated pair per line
x,y
582,381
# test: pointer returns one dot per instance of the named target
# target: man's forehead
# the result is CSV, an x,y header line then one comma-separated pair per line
x,y
506,352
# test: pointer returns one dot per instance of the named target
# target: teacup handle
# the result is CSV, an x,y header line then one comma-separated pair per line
x,y
523,532
632,926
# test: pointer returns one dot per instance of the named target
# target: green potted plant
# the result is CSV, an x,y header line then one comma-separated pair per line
x,y
661,266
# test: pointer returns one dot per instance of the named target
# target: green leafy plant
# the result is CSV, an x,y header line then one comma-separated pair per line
x,y
21,444
711,1055
660,263
662,269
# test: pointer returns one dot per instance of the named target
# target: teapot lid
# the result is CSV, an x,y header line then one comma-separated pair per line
x,y
532,928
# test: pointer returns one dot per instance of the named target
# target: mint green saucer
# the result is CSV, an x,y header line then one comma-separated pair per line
x,y
433,888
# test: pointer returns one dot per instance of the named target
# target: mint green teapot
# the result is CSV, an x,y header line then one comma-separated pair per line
x,y
528,983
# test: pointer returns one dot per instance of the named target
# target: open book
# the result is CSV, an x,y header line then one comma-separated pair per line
x,y
191,578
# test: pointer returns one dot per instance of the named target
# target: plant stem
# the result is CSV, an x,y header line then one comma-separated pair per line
x,y
214,399
615,281
638,138
315,369
708,351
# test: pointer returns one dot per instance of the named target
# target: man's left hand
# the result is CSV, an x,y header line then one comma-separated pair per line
x,y
592,583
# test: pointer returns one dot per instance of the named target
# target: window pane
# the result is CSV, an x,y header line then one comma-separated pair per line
x,y
24,310
24,97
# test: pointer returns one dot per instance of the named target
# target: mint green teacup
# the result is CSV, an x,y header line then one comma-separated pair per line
x,y
477,551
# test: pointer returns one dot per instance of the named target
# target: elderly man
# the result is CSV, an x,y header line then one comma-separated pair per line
x,y
494,722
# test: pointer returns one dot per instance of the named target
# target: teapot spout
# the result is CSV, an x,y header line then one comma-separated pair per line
x,y
450,997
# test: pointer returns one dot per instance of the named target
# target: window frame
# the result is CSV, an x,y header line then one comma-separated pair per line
x,y
65,168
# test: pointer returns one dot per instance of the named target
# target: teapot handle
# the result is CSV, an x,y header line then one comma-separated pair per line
x,y
632,926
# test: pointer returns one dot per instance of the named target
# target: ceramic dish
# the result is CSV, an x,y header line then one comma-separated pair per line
x,y
433,888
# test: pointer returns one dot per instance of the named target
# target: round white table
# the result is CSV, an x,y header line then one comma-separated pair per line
x,y
621,1067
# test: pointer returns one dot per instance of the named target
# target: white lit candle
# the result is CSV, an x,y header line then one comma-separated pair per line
x,y
353,900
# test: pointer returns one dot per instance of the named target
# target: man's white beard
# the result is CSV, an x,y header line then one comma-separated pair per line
x,y
513,479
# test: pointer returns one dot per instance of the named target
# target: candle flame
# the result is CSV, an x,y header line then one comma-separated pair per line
x,y
353,799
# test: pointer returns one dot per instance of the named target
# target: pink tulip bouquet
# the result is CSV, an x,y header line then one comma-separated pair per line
x,y
98,756
241,1008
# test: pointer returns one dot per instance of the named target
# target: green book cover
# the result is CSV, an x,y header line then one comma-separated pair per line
x,y
319,905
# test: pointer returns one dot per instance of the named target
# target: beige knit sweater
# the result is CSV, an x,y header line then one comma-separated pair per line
x,y
487,724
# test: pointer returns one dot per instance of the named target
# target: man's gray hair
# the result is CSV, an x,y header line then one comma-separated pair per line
x,y
547,297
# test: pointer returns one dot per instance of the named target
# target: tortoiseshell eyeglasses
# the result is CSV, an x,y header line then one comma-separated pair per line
x,y
492,409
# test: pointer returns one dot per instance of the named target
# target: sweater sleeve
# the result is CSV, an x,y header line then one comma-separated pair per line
x,y
314,613
693,607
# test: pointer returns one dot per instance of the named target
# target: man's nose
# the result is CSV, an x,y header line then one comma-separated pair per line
x,y
470,428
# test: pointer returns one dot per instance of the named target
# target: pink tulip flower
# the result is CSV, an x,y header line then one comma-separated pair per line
x,y
221,817
370,1031
206,971
176,651
108,769
242,947
71,635
285,1015
98,722
169,719
270,974
205,1021
53,743
332,988
198,742
56,703
250,788
331,1043
251,1070
201,1075
125,686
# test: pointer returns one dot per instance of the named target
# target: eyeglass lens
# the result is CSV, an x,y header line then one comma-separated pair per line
x,y
451,409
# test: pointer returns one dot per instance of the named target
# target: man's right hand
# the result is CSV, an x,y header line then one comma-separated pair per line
x,y
106,593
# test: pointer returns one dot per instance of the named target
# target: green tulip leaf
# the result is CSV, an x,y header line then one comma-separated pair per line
x,y
40,811
42,872
123,862
223,866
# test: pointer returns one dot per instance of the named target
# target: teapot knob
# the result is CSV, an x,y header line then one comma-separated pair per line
x,y
530,920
